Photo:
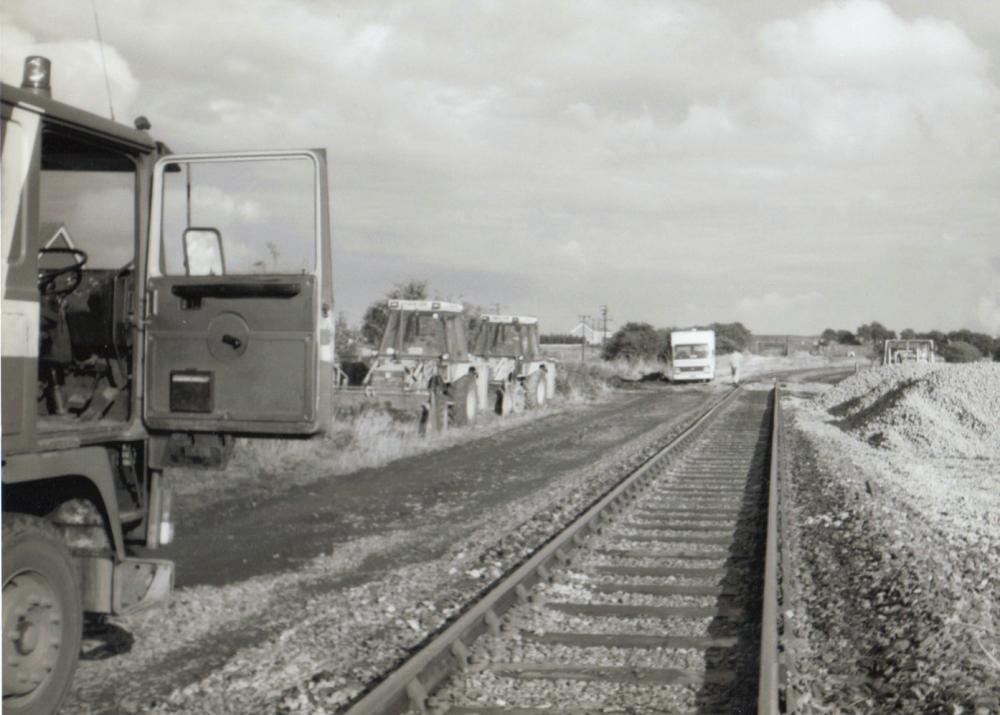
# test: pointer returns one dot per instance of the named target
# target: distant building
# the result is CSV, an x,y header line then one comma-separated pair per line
x,y
591,336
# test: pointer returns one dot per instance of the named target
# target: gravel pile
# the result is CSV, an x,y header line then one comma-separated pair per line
x,y
933,411
893,537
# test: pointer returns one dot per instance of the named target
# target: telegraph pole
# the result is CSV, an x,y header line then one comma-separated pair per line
x,y
604,329
583,336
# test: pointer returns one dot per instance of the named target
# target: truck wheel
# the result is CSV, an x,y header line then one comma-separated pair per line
x,y
465,401
42,616
535,391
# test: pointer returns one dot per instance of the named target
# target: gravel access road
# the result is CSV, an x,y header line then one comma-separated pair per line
x,y
294,602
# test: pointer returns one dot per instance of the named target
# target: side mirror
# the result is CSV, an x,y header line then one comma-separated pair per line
x,y
203,252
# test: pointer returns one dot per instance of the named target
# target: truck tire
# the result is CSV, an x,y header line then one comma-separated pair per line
x,y
42,616
465,401
535,389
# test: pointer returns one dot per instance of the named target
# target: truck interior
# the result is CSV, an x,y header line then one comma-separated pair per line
x,y
86,246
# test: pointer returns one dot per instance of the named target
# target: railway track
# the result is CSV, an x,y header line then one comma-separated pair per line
x,y
653,601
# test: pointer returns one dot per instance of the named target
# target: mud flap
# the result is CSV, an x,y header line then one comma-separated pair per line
x,y
142,583
124,587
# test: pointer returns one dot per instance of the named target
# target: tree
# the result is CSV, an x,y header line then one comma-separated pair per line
x,y
907,334
880,333
347,340
632,342
472,315
377,314
828,336
875,332
961,351
846,337
937,336
732,336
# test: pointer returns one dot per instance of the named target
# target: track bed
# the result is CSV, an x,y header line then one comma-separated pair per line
x,y
652,605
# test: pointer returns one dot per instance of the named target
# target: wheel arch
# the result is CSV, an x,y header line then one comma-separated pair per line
x,y
38,483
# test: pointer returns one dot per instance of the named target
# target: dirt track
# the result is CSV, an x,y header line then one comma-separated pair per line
x,y
264,536
252,571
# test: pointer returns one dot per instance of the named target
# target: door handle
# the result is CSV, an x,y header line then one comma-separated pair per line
x,y
232,341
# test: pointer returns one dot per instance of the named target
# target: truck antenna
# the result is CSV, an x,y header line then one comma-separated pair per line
x,y
104,63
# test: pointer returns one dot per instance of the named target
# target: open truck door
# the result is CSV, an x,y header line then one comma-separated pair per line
x,y
239,297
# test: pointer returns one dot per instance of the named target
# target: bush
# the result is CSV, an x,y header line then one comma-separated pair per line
x,y
584,382
984,343
731,336
960,351
846,337
634,341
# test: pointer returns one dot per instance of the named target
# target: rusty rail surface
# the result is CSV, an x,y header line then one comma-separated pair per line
x,y
448,651
768,689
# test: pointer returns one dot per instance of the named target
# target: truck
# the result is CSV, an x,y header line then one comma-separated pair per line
x,y
155,306
423,368
691,356
897,352
519,375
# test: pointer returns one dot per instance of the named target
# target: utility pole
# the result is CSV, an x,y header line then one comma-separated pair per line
x,y
604,328
583,336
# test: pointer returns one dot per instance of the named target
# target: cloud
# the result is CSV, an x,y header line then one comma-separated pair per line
x,y
677,144
854,79
774,312
867,42
77,74
989,314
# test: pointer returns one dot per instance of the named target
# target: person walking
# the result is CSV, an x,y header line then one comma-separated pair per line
x,y
735,361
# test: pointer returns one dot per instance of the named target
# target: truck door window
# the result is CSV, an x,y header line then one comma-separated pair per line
x,y
264,213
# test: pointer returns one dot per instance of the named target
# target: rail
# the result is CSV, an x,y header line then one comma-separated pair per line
x,y
409,685
768,689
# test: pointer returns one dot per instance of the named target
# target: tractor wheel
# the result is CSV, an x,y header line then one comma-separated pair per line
x,y
435,420
465,401
535,389
510,398
42,616
517,398
501,402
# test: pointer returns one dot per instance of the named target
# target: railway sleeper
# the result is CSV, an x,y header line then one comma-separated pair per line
x,y
632,640
614,674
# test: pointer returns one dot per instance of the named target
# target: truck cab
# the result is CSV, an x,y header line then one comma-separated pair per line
x,y
155,305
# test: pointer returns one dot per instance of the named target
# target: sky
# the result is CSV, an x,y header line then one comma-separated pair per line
x,y
787,164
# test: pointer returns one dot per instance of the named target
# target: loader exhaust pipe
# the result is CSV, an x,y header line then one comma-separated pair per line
x,y
37,75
